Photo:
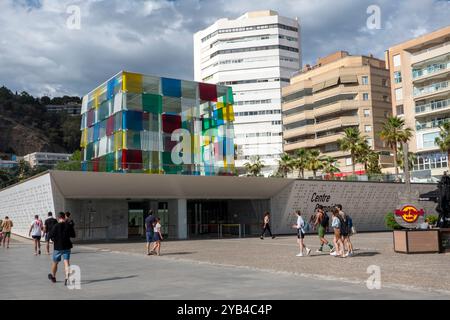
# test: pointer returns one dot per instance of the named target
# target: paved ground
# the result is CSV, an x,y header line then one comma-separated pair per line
x,y
227,269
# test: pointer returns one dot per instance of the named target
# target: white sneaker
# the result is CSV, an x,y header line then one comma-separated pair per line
x,y
319,251
333,253
299,255
345,255
308,251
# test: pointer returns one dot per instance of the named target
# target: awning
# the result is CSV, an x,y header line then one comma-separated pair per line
x,y
350,78
318,86
331,82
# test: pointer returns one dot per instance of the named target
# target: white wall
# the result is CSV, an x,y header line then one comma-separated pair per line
x,y
21,202
367,203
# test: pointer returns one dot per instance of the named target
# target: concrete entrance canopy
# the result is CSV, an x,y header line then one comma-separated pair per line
x,y
102,185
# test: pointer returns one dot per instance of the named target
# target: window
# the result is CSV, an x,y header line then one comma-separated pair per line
x,y
385,98
397,60
348,161
367,128
400,110
384,82
397,77
365,80
428,139
365,96
366,113
399,94
370,142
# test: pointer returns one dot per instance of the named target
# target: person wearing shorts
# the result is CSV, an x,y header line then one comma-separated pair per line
x,y
60,235
149,227
157,236
337,227
300,233
36,233
7,225
321,228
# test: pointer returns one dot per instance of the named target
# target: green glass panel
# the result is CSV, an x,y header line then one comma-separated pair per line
x,y
152,103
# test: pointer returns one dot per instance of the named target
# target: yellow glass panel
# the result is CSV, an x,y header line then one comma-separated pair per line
x,y
124,140
132,82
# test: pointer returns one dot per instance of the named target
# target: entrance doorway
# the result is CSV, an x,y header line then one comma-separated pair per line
x,y
139,210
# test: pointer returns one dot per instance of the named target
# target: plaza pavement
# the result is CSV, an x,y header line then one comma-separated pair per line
x,y
227,269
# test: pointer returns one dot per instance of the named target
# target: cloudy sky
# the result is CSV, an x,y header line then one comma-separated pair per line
x,y
40,54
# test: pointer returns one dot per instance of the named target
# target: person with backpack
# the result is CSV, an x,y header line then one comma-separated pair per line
x,y
300,225
35,232
49,223
346,233
321,223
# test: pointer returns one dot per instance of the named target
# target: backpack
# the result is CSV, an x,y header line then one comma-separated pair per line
x,y
344,227
326,220
349,223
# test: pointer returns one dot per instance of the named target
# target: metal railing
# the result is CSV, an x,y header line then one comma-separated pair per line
x,y
435,105
223,230
430,88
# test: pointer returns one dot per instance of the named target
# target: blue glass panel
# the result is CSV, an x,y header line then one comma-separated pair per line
x,y
171,87
132,120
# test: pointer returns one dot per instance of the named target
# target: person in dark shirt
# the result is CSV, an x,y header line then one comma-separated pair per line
x,y
149,231
49,223
69,219
60,234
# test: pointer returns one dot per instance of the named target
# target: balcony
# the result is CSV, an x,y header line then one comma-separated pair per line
x,y
345,121
432,106
298,131
329,138
343,105
430,70
435,87
308,143
431,124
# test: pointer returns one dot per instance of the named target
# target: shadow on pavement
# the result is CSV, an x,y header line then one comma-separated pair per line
x,y
107,279
366,254
177,253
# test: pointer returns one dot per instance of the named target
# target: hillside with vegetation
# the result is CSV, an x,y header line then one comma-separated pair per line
x,y
26,126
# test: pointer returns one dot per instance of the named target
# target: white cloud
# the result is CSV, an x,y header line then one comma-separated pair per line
x,y
39,54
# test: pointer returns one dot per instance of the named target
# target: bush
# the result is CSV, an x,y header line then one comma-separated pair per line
x,y
389,220
432,220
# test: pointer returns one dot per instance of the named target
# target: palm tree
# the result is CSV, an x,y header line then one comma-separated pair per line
x,y
443,141
285,164
301,161
393,133
314,163
351,141
330,166
411,159
254,167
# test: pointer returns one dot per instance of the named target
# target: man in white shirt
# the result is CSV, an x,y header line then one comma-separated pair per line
x,y
300,234
36,233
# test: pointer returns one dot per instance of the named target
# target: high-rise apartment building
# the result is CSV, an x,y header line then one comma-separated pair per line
x,y
339,92
255,54
420,73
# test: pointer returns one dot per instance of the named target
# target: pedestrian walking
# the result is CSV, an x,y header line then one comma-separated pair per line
x,y
266,226
348,223
321,223
300,234
35,232
157,236
149,231
7,226
69,219
49,223
60,234
337,226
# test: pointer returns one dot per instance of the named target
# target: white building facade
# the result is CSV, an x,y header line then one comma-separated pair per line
x,y
46,158
256,54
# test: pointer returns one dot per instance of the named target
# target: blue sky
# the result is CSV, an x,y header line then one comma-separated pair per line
x,y
39,54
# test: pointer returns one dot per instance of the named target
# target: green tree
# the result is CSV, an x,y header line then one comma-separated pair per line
x,y
24,170
254,167
314,162
300,162
285,165
351,142
330,166
74,163
443,141
393,133
400,159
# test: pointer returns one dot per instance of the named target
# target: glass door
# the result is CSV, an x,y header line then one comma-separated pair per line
x,y
163,214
